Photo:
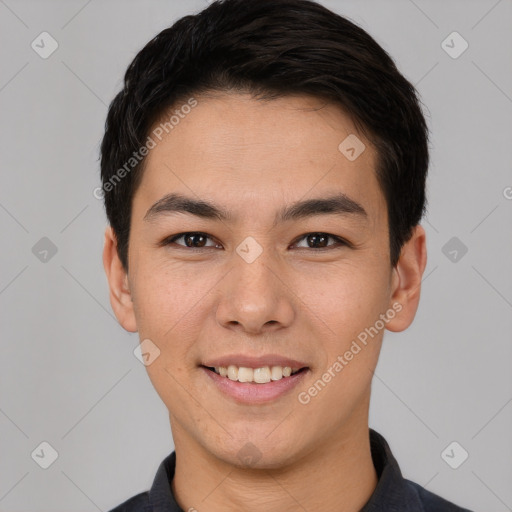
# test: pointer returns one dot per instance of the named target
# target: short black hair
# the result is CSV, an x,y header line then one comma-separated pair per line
x,y
270,49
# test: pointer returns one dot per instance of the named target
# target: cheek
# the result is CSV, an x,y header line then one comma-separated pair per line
x,y
345,312
345,298
346,304
165,295
168,306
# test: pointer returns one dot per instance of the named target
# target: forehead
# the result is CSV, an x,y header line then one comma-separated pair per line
x,y
248,154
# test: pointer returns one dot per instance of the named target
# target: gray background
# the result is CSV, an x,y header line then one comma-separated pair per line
x,y
68,374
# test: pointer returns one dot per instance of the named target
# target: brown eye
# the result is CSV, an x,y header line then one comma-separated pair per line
x,y
193,239
319,240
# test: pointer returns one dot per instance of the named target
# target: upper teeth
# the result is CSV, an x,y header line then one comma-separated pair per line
x,y
258,375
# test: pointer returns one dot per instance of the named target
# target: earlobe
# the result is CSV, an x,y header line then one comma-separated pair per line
x,y
406,281
117,277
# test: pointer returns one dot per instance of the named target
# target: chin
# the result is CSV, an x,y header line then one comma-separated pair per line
x,y
256,451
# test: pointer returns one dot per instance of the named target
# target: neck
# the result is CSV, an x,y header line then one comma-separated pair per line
x,y
337,474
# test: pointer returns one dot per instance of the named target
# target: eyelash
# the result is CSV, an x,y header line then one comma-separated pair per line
x,y
340,241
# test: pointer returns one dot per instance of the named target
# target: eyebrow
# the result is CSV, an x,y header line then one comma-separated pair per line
x,y
339,204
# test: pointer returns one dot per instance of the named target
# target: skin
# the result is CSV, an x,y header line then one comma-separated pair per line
x,y
254,157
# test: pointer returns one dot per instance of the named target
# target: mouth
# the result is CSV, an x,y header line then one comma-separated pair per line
x,y
255,385
260,375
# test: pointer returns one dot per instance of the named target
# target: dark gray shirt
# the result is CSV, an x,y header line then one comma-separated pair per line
x,y
393,493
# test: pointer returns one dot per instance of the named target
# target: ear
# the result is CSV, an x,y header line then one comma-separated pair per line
x,y
120,295
406,280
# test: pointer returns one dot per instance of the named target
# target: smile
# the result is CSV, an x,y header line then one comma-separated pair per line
x,y
261,375
243,386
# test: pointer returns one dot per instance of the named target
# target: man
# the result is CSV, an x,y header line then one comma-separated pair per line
x,y
264,176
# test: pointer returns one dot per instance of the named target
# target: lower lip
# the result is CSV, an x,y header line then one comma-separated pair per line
x,y
255,393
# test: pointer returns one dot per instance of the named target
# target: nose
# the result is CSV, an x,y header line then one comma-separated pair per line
x,y
255,298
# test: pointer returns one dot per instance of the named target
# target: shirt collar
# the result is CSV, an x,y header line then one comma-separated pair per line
x,y
392,492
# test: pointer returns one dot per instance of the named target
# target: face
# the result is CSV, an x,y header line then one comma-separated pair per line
x,y
242,283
